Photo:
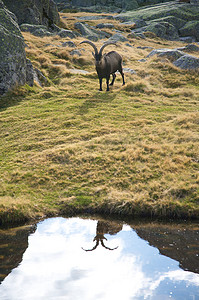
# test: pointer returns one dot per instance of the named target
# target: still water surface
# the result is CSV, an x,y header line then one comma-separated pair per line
x,y
74,258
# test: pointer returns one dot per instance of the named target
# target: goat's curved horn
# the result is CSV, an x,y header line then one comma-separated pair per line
x,y
106,44
92,44
108,247
96,245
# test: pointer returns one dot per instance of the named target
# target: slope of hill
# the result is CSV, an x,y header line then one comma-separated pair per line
x,y
68,148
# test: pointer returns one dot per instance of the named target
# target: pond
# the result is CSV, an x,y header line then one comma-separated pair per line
x,y
91,259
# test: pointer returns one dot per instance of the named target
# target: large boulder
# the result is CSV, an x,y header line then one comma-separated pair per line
x,y
191,28
38,12
187,62
163,30
12,52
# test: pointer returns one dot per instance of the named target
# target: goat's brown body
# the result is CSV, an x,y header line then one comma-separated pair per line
x,y
109,64
106,64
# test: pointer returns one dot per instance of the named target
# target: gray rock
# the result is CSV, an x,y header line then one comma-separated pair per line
x,y
101,5
172,54
43,12
78,71
187,62
141,35
176,22
140,23
84,29
90,18
130,5
191,28
183,11
90,32
37,30
132,35
128,70
189,48
12,52
118,37
29,73
68,44
39,77
188,39
76,52
145,47
163,30
105,25
67,33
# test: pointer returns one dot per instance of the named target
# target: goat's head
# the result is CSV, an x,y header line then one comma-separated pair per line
x,y
98,55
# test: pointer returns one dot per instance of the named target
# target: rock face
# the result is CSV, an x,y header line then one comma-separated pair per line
x,y
12,52
38,12
176,21
117,5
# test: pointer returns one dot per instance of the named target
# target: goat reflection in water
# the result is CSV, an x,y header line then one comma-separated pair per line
x,y
102,229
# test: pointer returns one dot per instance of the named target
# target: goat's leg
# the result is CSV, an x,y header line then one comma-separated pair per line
x,y
107,82
121,72
100,82
114,76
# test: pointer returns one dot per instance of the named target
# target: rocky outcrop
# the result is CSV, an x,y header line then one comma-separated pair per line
x,y
172,21
43,12
12,52
104,5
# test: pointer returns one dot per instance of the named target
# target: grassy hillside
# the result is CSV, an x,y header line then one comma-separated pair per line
x,y
66,147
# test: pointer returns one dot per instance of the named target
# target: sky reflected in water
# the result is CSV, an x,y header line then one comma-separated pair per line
x,y
55,266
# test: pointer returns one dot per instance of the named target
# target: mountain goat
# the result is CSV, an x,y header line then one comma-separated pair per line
x,y
106,64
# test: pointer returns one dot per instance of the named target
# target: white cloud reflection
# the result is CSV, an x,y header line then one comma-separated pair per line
x,y
55,267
